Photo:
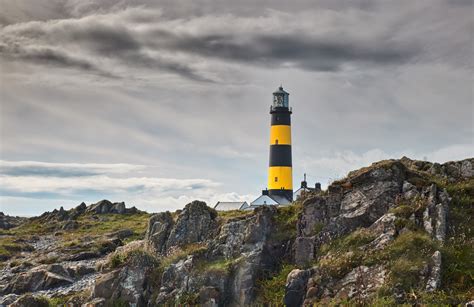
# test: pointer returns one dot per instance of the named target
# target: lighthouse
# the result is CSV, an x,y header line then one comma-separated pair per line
x,y
280,174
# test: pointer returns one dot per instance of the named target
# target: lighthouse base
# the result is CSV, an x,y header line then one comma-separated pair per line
x,y
281,196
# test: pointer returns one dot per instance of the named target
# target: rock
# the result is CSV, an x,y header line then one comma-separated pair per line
x,y
122,234
105,285
129,283
304,250
105,206
434,278
362,282
83,256
70,225
97,302
39,278
7,222
209,296
8,299
295,287
158,230
469,304
196,223
29,300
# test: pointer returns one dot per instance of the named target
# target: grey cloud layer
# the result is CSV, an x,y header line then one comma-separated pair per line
x,y
144,39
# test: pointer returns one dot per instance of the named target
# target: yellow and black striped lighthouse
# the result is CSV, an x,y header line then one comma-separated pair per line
x,y
280,177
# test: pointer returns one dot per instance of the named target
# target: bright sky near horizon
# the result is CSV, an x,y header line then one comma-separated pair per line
x,y
157,103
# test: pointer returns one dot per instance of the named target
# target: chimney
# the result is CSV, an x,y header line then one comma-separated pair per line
x,y
304,184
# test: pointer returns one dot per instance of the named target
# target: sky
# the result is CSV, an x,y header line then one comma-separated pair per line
x,y
157,103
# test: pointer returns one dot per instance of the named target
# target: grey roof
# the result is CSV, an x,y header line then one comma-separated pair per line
x,y
270,200
281,200
231,205
264,200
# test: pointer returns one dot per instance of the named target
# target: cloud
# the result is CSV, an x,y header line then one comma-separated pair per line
x,y
46,169
28,182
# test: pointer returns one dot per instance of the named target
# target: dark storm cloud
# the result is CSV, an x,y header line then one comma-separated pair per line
x,y
275,50
83,43
156,46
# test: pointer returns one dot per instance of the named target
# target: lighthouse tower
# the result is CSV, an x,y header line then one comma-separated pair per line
x,y
280,177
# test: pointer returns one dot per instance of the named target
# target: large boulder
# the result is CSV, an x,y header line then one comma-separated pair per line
x,y
196,223
158,231
29,300
7,222
128,283
105,206
40,278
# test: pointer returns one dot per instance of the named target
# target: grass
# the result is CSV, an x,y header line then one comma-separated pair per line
x,y
234,214
286,219
91,227
182,253
458,251
11,246
271,291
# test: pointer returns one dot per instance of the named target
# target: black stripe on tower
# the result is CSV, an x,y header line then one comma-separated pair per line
x,y
281,118
280,155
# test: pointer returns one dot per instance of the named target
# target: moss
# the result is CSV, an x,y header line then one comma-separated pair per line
x,y
11,246
234,214
223,266
181,253
188,298
271,291
286,219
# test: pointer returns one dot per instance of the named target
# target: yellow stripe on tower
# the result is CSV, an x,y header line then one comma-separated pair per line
x,y
280,177
280,135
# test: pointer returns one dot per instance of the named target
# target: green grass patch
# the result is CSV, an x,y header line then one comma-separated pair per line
x,y
234,214
285,220
271,291
182,253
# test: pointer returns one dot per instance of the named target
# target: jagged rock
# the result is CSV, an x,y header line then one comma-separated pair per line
x,y
121,234
83,256
304,250
196,223
29,300
8,299
295,287
97,302
469,304
158,231
105,206
361,282
434,278
39,278
246,238
128,283
7,222
70,225
209,296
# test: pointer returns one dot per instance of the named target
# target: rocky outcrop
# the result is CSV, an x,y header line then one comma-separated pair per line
x,y
28,300
107,207
241,249
7,222
386,199
39,278
453,171
196,223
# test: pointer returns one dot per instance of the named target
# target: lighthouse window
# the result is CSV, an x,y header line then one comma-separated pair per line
x,y
276,142
276,179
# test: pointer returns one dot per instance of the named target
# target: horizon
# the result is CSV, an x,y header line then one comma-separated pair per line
x,y
159,103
